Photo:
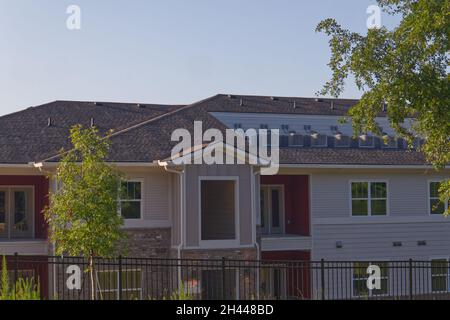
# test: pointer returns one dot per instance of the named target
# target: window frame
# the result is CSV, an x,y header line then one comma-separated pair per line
x,y
369,198
269,188
434,258
429,198
141,218
229,243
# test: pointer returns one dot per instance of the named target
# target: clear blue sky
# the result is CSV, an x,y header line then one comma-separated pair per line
x,y
166,51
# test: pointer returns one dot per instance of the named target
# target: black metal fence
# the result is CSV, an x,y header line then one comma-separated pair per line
x,y
68,278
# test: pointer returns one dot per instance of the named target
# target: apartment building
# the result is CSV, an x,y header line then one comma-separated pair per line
x,y
335,197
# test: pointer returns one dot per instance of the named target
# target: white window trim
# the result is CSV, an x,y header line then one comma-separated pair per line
x,y
129,222
369,198
216,244
429,197
283,209
8,205
446,258
389,277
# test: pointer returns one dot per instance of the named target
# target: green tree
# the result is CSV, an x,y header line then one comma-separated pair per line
x,y
83,213
405,69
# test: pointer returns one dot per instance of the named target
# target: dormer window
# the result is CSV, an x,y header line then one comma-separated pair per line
x,y
366,141
295,139
319,140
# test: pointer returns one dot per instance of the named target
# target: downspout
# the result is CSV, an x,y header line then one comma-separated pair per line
x,y
258,251
182,218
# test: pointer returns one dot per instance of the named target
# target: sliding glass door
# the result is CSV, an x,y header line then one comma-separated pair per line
x,y
16,212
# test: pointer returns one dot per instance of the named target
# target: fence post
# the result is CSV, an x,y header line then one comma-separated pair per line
x,y
120,278
223,279
410,279
322,278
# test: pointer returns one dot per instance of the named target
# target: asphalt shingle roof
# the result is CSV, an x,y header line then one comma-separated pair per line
x,y
25,137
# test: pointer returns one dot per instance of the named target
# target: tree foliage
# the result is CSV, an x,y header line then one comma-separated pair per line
x,y
405,69
83,215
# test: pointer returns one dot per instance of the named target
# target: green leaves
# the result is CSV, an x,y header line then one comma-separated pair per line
x,y
83,215
405,68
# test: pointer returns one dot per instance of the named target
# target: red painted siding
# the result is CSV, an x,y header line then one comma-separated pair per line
x,y
298,274
41,189
296,201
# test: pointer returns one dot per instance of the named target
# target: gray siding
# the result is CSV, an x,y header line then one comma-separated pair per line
x,y
408,220
193,173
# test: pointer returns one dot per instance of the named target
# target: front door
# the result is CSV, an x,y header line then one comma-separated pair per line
x,y
272,209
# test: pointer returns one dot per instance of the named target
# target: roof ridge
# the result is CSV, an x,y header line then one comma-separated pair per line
x,y
140,124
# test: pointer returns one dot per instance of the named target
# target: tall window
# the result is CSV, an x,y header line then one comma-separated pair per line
x,y
436,206
440,275
272,215
369,198
360,276
16,212
218,209
131,199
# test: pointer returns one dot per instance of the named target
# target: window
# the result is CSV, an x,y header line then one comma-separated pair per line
x,y
369,198
436,206
439,275
295,140
131,199
272,209
108,284
218,209
319,140
360,277
366,141
212,283
16,213
237,126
